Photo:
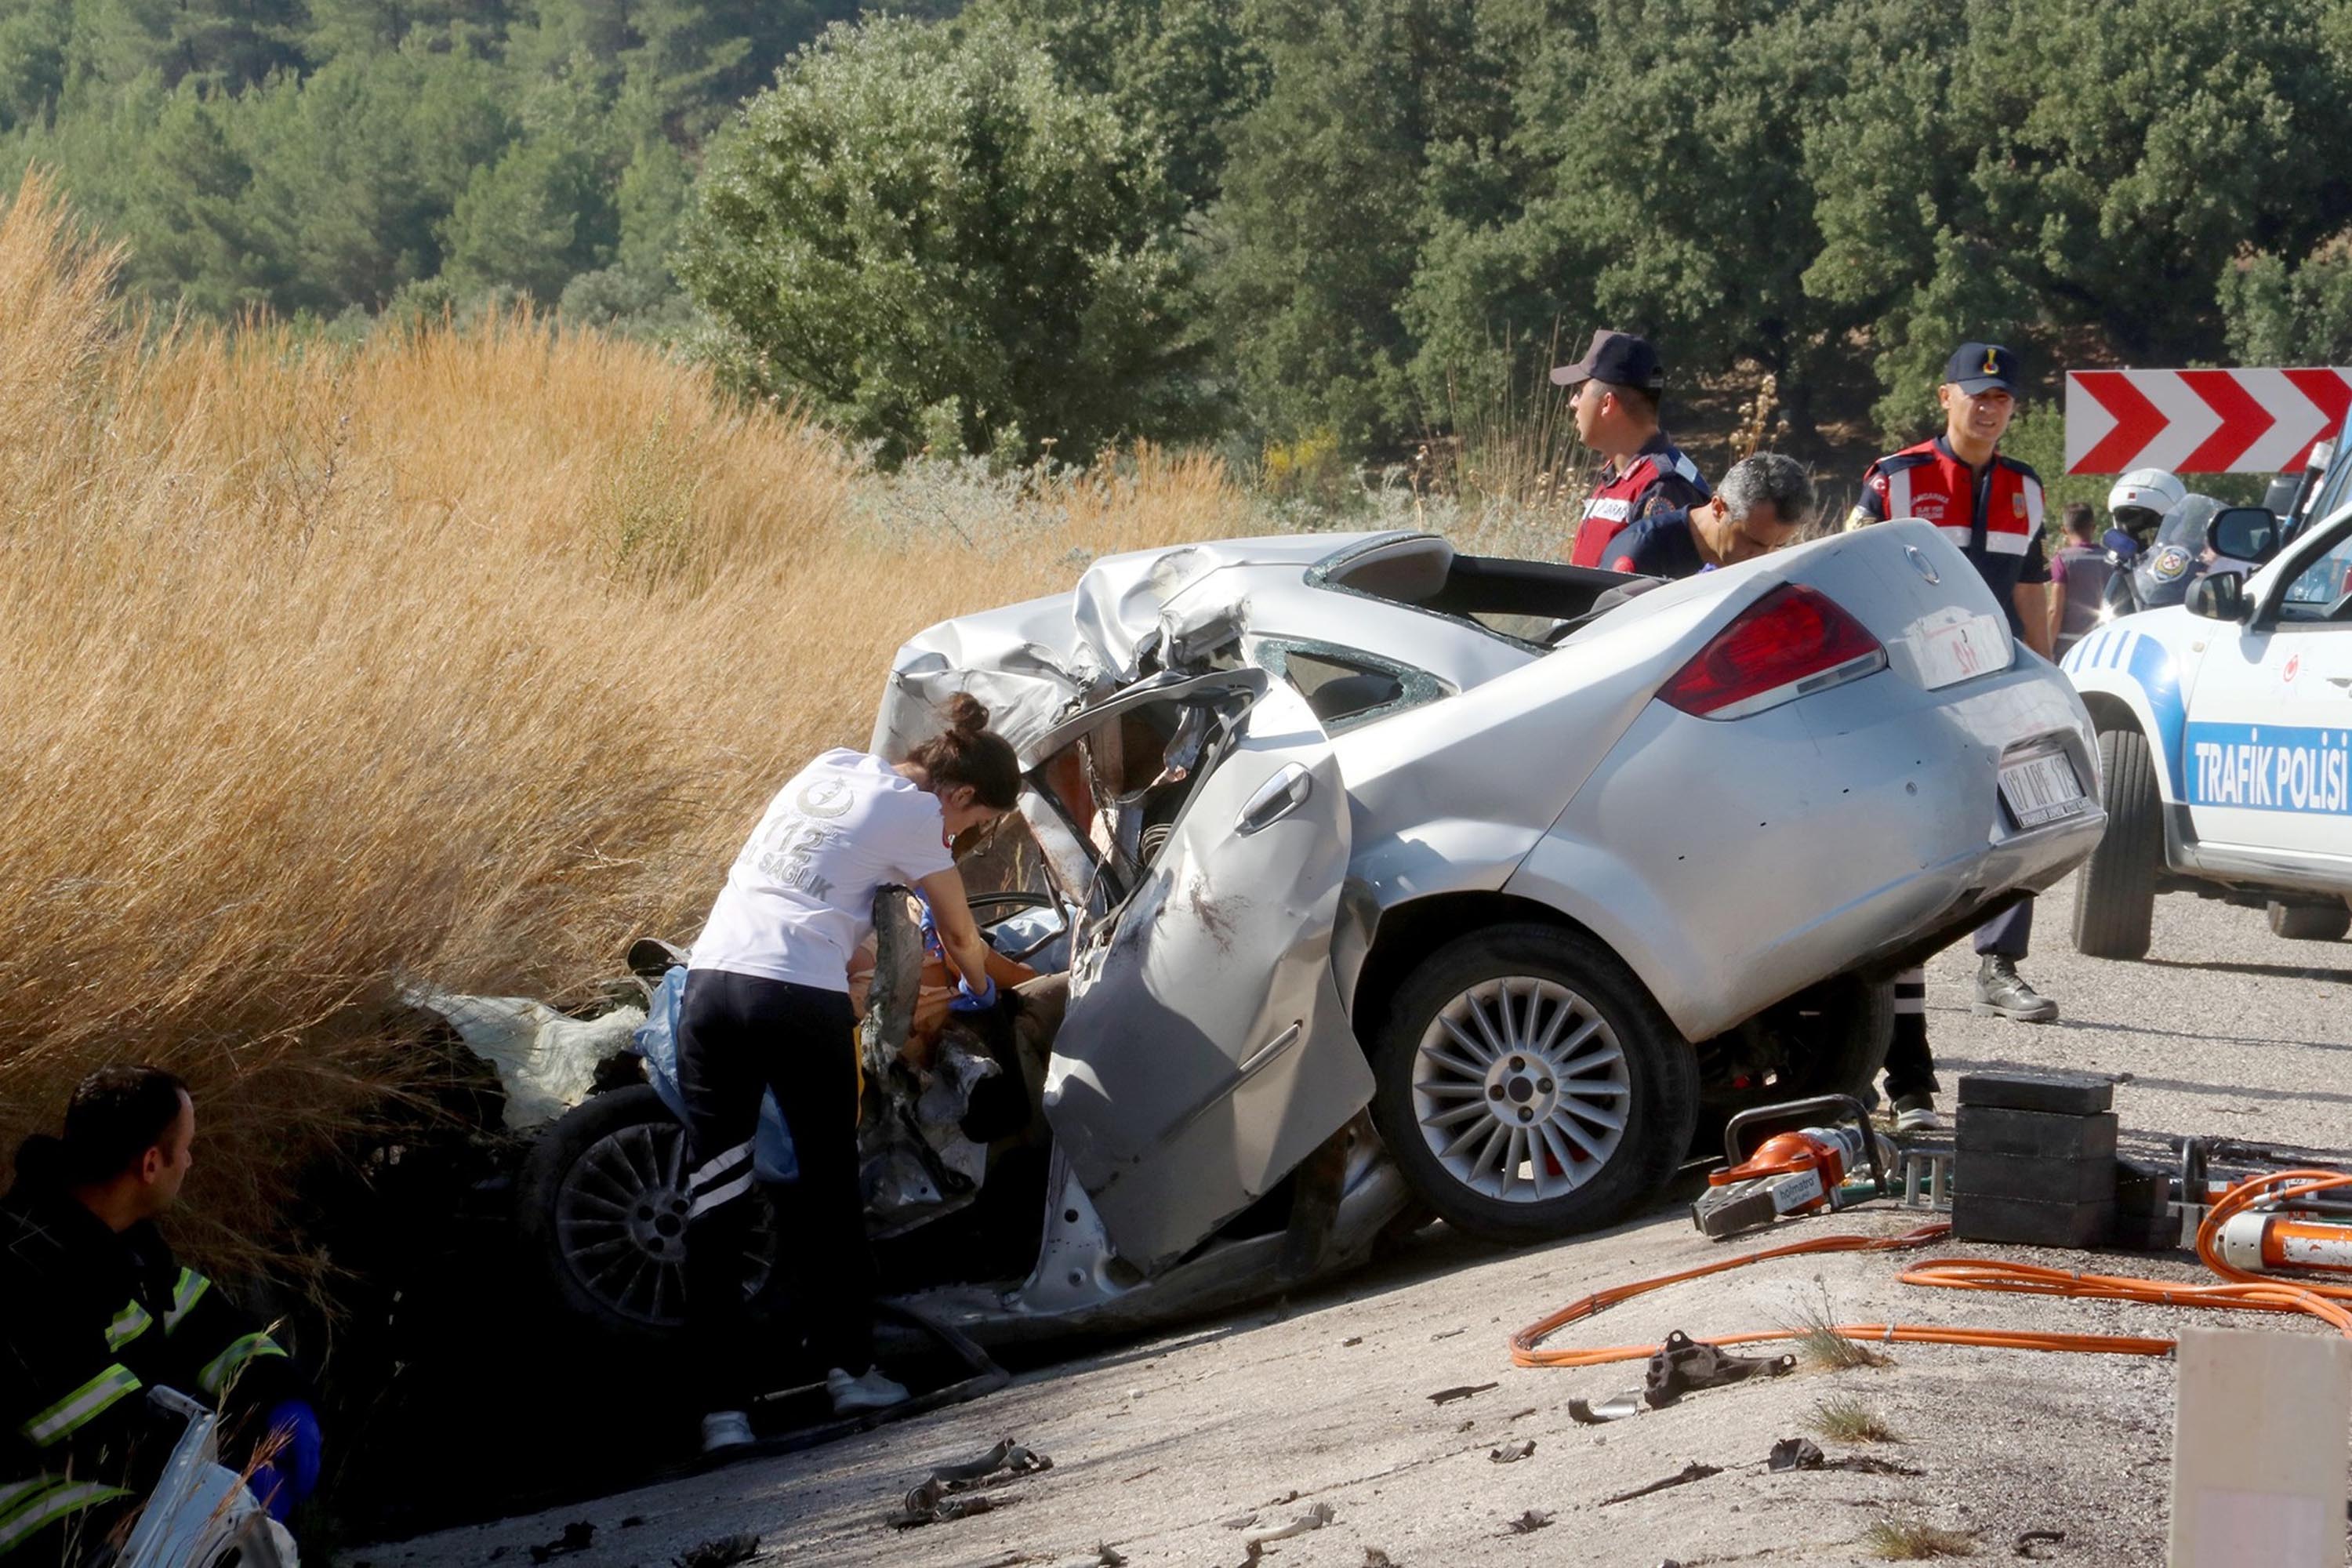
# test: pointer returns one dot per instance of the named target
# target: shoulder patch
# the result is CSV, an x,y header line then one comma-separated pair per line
x,y
1685,468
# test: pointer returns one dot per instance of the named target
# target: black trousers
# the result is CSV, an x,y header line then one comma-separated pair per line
x,y
740,1034
1910,1065
2008,933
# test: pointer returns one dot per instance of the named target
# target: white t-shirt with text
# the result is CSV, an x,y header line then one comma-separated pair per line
x,y
800,898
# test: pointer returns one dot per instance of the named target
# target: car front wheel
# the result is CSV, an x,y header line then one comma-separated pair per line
x,y
2115,903
1527,1085
601,1206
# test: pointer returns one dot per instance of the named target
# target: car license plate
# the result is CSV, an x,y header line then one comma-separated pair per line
x,y
2041,788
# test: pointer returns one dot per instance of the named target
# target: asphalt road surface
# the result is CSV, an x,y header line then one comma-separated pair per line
x,y
1162,1448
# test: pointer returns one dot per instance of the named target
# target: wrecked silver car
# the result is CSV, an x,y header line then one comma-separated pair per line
x,y
1387,882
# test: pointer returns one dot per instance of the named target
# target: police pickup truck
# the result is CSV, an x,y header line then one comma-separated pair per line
x,y
2225,733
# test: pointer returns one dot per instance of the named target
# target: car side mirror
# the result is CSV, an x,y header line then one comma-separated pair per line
x,y
2243,533
2218,596
2120,544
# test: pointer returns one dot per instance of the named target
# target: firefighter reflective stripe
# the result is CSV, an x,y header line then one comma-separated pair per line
x,y
224,1366
128,1325
1911,992
713,1171
1898,496
721,1179
30,1507
190,1289
92,1397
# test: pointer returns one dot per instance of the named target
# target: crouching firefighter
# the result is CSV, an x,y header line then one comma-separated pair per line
x,y
94,1311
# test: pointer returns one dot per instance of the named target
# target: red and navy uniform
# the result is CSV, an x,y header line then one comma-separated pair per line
x,y
1658,546
1658,478
1994,514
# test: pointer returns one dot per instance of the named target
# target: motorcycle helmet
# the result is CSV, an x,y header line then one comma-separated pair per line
x,y
2141,497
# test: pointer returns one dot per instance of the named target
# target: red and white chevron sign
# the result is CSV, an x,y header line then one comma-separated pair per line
x,y
2201,421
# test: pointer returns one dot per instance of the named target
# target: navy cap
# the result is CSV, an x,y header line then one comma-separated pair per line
x,y
1619,358
1974,367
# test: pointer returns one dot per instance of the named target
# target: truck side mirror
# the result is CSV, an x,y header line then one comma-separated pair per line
x,y
2243,533
2218,596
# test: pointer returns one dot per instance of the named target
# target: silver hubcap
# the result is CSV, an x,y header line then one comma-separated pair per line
x,y
1520,1088
621,1221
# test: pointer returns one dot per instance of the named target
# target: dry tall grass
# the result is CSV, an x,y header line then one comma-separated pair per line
x,y
459,656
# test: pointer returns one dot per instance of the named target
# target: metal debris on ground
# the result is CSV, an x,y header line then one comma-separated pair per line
x,y
935,1499
1448,1334
1682,1365
1105,1557
1804,1454
1694,1471
1616,1407
1530,1523
1511,1453
1315,1517
2028,1543
724,1551
1242,1522
1461,1390
1357,1340
576,1537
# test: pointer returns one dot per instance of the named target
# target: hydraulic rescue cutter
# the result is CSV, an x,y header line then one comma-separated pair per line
x,y
1799,1170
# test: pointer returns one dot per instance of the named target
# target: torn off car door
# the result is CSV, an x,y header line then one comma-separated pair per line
x,y
1206,1051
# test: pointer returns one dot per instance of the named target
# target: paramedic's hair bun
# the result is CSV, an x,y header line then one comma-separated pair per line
x,y
965,714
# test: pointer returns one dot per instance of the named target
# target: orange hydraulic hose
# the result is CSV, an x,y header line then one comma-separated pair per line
x,y
2242,1290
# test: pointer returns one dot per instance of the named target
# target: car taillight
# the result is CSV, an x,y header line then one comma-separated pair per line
x,y
1793,642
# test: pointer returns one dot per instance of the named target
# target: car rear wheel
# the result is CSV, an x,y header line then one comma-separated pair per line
x,y
2310,922
601,1206
2114,904
1527,1085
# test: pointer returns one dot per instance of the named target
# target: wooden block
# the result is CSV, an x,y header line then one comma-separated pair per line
x,y
2066,1093
2258,1450
1993,1129
2032,1177
2028,1221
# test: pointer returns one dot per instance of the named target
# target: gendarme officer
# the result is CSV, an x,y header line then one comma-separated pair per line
x,y
1618,383
1989,506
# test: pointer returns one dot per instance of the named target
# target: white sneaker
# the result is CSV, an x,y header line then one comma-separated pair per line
x,y
870,1390
1916,1113
725,1429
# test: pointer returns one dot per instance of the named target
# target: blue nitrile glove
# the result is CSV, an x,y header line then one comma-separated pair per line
x,y
292,1474
930,932
967,1000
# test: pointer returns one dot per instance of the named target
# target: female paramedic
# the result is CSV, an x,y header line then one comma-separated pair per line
x,y
767,1006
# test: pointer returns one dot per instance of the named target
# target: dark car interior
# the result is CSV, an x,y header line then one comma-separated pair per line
x,y
1532,601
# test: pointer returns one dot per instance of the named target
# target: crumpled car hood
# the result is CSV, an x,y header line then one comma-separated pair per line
x,y
1029,662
